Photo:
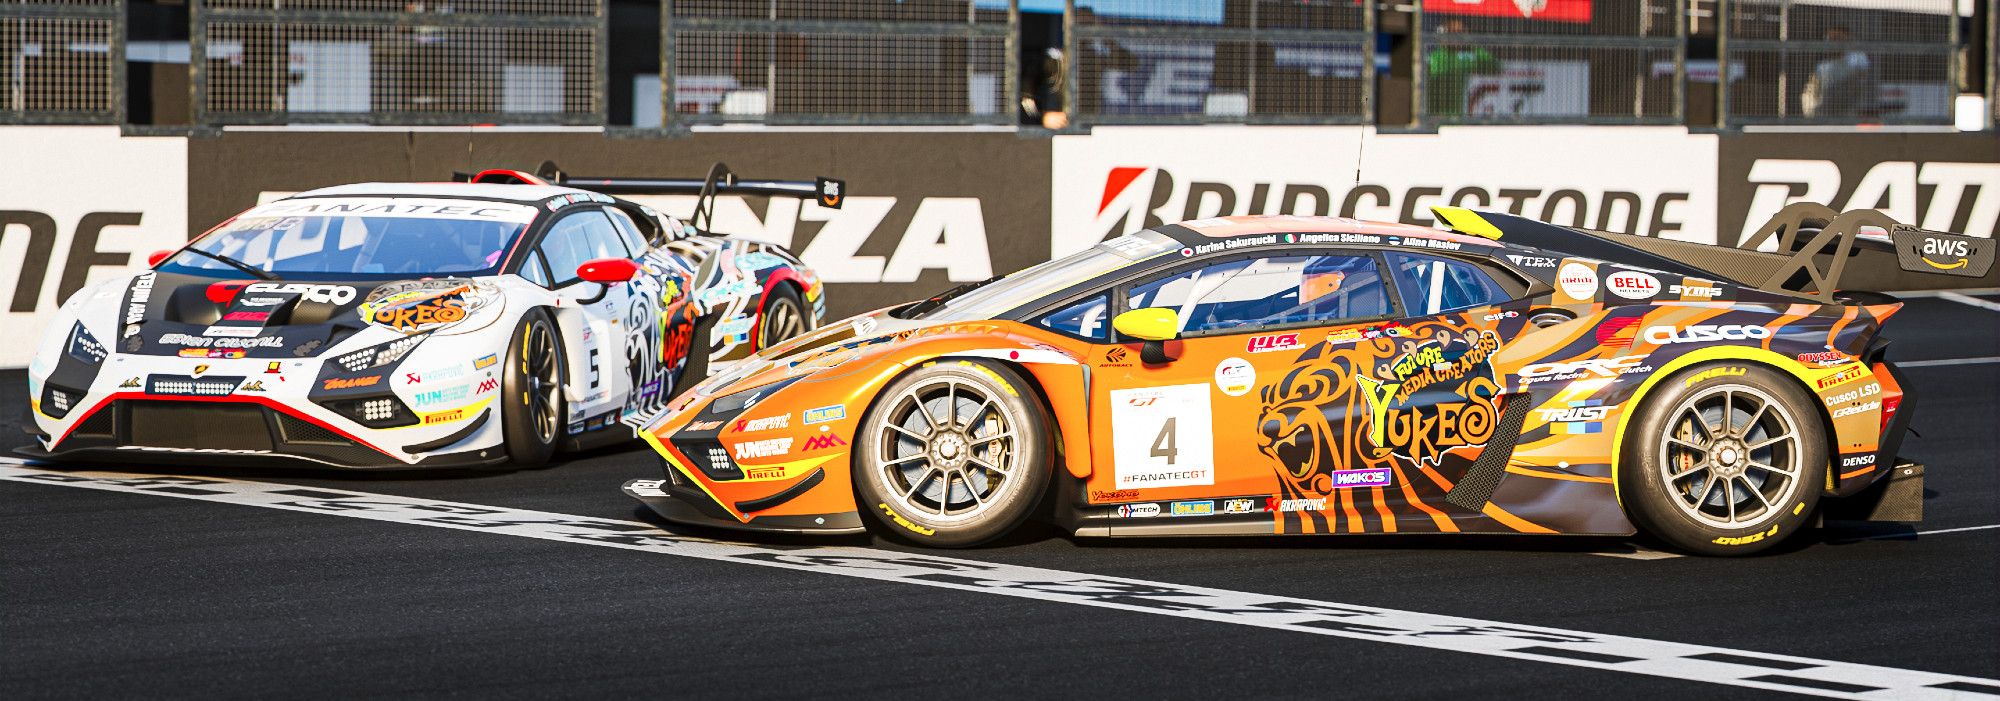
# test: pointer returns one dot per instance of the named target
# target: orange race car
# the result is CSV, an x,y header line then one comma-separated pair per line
x,y
1283,374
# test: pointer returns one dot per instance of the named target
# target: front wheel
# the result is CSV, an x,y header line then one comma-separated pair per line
x,y
953,454
783,317
1725,460
532,400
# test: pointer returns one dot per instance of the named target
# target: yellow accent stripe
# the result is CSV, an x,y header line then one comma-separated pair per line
x,y
661,448
1557,475
1466,221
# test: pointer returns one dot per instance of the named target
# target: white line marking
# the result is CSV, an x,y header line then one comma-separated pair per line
x,y
1948,361
1641,553
1657,658
1913,534
1971,300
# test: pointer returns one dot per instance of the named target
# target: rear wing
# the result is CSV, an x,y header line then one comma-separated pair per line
x,y
1820,251
720,180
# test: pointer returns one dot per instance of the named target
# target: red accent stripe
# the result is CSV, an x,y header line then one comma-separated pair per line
x,y
778,275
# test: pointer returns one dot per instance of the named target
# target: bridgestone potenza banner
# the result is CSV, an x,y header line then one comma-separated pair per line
x,y
1655,181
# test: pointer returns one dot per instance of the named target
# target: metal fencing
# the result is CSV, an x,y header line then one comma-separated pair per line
x,y
945,62
398,62
62,61
1555,61
1207,61
1837,62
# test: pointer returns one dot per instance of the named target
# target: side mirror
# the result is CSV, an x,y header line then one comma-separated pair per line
x,y
1155,326
607,271
153,259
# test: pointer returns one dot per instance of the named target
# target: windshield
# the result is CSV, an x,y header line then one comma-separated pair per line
x,y
393,237
1006,293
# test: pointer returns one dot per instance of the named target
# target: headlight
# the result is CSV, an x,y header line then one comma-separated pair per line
x,y
84,347
381,355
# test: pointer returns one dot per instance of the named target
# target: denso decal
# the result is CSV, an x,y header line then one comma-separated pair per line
x,y
1632,285
1663,335
324,294
1272,342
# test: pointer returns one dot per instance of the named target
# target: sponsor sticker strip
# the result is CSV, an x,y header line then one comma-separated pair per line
x,y
1704,663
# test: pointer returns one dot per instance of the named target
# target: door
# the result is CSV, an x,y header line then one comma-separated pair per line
x,y
1246,417
594,317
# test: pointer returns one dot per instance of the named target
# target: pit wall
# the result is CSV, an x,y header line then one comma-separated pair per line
x,y
930,209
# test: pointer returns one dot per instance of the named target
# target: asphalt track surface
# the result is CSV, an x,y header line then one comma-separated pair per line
x,y
158,594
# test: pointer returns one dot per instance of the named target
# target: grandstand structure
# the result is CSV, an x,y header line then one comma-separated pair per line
x,y
1057,65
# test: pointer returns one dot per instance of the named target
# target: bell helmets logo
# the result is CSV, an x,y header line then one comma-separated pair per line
x,y
1632,285
1663,335
1577,280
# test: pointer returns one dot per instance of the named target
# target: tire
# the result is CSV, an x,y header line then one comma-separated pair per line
x,y
959,484
783,317
1718,489
532,410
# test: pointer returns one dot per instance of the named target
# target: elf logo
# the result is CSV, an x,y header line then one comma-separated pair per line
x,y
1663,335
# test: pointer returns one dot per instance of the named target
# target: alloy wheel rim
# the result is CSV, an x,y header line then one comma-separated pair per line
x,y
946,450
1731,457
542,384
782,322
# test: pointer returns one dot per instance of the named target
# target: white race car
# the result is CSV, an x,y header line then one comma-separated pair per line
x,y
396,325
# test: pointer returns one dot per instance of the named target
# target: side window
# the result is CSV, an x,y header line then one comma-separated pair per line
x,y
576,239
1432,285
1257,292
535,270
629,230
1084,319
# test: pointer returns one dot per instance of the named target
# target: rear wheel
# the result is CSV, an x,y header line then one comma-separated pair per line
x,y
953,454
532,403
784,317
1725,460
